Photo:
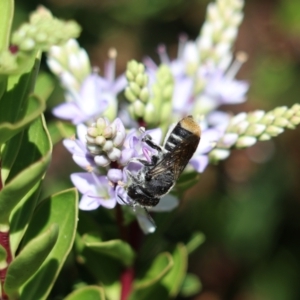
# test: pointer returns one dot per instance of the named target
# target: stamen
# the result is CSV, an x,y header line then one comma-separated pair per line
x,y
110,68
110,183
89,168
96,70
240,58
121,183
149,63
161,51
181,44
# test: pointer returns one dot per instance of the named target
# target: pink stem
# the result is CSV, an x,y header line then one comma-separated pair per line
x,y
4,242
126,282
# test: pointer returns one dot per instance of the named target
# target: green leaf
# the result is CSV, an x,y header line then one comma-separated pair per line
x,y
28,169
173,280
9,153
29,260
159,268
17,107
3,84
3,255
33,109
191,285
17,188
197,239
149,286
44,86
118,249
87,293
35,145
7,13
61,209
104,269
21,216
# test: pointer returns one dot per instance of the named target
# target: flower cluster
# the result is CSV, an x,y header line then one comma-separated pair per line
x,y
197,82
39,34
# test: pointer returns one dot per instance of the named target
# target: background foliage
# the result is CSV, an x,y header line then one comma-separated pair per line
x,y
248,206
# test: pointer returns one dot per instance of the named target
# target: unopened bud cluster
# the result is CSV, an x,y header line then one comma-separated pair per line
x,y
220,30
159,107
153,109
70,63
244,130
104,141
43,31
137,91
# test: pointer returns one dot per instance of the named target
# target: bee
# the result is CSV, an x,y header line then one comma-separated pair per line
x,y
157,177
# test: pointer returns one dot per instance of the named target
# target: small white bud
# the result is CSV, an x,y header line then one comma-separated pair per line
x,y
245,141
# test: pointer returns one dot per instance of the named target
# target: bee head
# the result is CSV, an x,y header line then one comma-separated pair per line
x,y
139,196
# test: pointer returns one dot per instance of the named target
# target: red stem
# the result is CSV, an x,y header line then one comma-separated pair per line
x,y
4,242
127,277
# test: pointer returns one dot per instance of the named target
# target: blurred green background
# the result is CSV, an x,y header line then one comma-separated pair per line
x,y
248,206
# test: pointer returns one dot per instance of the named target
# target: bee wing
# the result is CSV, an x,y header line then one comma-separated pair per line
x,y
176,160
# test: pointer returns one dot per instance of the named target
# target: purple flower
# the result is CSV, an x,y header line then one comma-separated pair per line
x,y
97,95
79,151
133,146
216,86
85,105
96,191
221,89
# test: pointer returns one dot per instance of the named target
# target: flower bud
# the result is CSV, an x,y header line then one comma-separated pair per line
x,y
144,94
115,175
255,129
279,111
218,154
281,122
274,130
138,108
264,137
255,116
245,141
114,155
129,75
108,132
101,160
108,146
100,140
135,89
130,96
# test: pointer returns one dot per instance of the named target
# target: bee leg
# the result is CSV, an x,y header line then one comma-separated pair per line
x,y
149,217
148,140
144,162
132,204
